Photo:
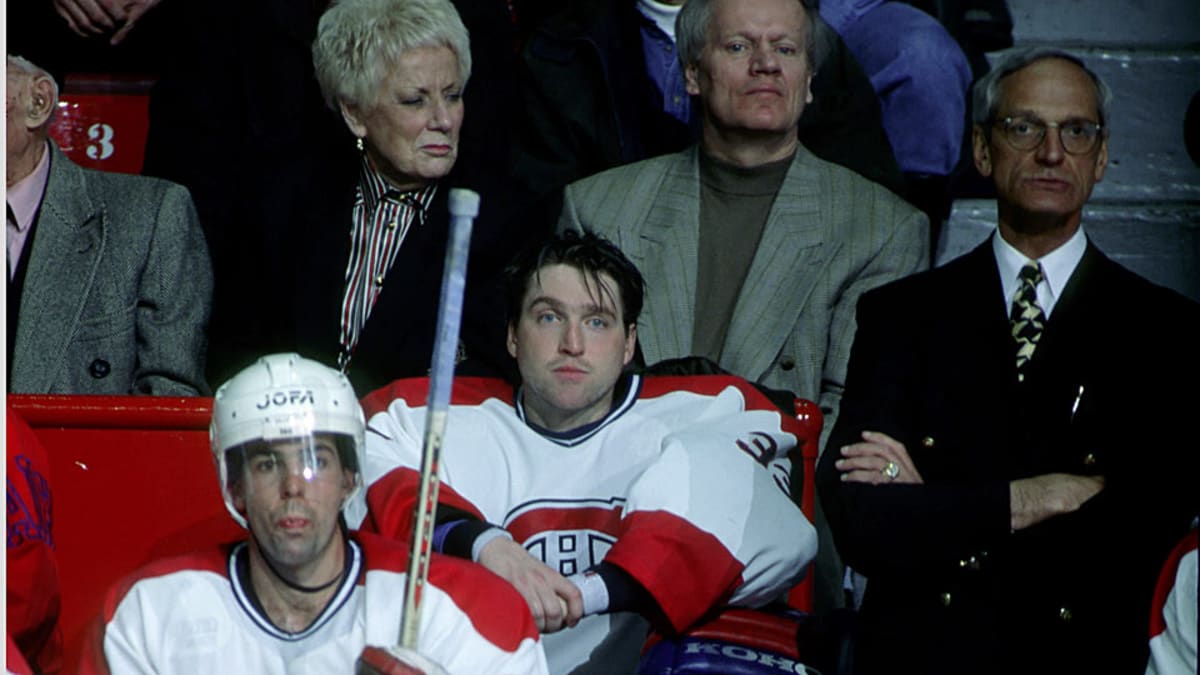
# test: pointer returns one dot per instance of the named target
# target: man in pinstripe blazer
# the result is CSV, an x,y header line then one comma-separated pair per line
x,y
755,251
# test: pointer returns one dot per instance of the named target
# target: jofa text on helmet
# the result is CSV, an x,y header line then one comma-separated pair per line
x,y
288,397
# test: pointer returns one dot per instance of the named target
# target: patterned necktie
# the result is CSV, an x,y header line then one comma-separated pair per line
x,y
1027,316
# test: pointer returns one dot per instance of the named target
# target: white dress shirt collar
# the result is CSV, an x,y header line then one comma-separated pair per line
x,y
1057,267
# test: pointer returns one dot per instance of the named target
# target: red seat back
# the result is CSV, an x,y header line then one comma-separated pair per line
x,y
125,473
811,421
132,478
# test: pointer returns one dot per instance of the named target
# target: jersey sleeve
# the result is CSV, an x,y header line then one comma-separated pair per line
x,y
129,634
491,631
472,621
116,641
1173,627
710,521
391,502
395,435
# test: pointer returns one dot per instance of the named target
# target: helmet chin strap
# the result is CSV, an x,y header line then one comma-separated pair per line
x,y
311,589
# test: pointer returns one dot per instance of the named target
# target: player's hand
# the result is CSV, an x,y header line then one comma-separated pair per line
x,y
878,458
554,602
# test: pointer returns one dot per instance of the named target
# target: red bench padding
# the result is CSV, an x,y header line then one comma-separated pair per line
x,y
126,473
132,479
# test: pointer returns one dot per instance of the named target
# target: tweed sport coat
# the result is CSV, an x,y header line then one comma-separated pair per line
x,y
830,235
118,288
950,588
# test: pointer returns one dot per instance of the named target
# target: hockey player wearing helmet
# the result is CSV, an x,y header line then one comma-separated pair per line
x,y
287,434
303,593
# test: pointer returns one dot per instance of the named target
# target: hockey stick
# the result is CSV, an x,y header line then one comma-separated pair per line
x,y
464,206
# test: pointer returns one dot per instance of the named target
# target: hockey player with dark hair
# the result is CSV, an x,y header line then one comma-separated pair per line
x,y
608,499
303,593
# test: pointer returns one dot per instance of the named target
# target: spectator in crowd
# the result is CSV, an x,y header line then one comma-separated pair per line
x,y
109,278
979,27
922,78
606,498
302,592
238,100
756,250
1004,410
602,86
35,642
395,70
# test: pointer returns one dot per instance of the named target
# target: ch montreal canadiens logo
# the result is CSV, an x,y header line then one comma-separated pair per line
x,y
569,535
288,397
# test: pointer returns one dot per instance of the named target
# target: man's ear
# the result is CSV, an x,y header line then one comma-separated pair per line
x,y
982,153
630,343
512,339
1101,160
691,80
808,86
42,102
353,118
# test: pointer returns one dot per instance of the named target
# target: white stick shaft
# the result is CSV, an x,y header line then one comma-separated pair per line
x,y
464,206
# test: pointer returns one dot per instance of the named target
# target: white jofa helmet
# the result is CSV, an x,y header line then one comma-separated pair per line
x,y
286,396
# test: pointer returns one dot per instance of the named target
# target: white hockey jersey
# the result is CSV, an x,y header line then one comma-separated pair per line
x,y
191,614
683,485
1173,627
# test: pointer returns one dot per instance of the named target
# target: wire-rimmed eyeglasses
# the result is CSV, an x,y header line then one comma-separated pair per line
x,y
1078,137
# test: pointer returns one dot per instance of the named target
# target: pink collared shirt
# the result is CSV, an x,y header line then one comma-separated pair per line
x,y
24,198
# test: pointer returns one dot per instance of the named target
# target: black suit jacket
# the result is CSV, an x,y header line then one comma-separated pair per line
x,y
238,118
397,339
950,588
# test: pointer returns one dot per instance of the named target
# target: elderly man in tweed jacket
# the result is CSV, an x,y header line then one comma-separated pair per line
x,y
109,277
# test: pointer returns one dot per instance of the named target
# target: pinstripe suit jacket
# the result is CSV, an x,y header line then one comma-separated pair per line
x,y
830,235
118,289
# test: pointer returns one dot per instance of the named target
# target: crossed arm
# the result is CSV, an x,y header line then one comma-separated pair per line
x,y
1031,500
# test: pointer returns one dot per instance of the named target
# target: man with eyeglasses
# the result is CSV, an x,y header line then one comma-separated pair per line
x,y
1005,412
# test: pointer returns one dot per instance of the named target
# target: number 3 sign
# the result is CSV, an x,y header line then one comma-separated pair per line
x,y
103,147
102,124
